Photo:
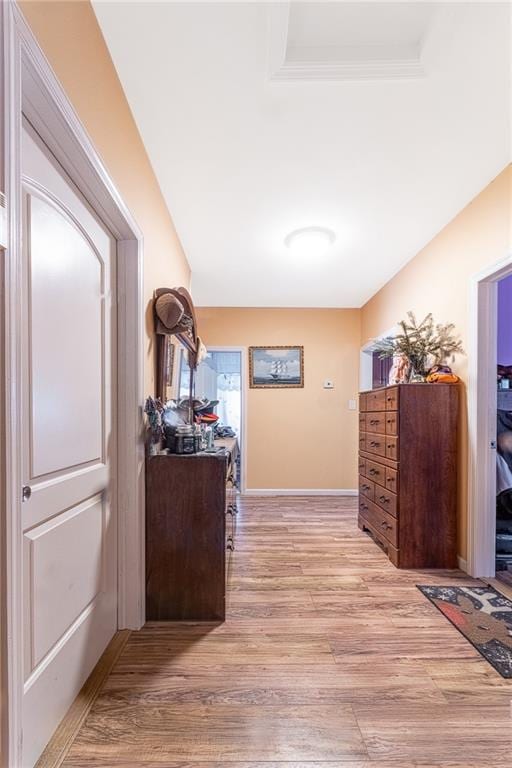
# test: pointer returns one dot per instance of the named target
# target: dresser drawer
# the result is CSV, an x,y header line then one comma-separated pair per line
x,y
384,524
362,466
392,480
376,472
362,422
362,402
367,488
392,399
362,441
392,450
376,422
375,444
391,423
376,401
386,500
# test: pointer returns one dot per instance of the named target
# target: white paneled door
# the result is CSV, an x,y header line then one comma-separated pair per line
x,y
69,442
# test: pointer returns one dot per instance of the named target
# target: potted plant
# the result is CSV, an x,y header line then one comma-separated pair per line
x,y
423,345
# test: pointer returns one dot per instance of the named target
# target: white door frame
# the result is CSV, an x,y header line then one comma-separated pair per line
x,y
482,407
30,87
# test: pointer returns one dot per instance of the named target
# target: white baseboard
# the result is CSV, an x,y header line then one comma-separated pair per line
x,y
463,565
300,492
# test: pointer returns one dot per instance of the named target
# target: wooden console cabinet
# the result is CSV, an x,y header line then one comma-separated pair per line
x,y
190,531
408,472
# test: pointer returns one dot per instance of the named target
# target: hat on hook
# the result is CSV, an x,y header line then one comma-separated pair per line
x,y
186,322
169,310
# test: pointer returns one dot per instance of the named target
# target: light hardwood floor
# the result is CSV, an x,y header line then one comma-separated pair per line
x,y
329,658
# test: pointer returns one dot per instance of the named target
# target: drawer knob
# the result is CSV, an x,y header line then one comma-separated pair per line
x,y
385,525
374,472
384,499
366,487
375,444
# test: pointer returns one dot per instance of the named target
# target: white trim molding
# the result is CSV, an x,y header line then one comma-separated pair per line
x,y
462,563
31,88
482,408
300,492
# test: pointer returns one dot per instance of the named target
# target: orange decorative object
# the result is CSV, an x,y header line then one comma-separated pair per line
x,y
442,378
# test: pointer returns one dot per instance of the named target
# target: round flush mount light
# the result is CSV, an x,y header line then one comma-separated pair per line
x,y
310,241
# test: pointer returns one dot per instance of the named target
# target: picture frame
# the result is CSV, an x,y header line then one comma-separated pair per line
x,y
276,367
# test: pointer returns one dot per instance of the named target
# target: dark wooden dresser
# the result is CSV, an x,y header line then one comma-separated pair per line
x,y
190,531
408,472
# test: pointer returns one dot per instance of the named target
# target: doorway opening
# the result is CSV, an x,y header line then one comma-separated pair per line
x,y
504,433
219,379
483,393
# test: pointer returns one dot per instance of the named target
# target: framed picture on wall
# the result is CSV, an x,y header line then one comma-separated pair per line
x,y
276,367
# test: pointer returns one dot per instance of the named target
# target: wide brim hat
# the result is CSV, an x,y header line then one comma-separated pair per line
x,y
199,406
169,310
177,308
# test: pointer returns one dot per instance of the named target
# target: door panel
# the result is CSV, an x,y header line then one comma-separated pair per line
x,y
69,442
65,561
66,285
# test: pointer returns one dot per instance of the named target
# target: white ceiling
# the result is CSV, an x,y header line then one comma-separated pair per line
x,y
379,121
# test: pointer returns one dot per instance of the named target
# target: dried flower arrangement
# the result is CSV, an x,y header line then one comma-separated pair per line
x,y
424,344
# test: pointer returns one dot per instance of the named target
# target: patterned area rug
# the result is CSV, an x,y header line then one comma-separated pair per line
x,y
483,616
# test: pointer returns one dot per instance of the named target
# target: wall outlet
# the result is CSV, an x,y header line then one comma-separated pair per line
x,y
352,405
328,384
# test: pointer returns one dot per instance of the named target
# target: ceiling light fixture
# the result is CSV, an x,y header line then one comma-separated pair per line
x,y
310,241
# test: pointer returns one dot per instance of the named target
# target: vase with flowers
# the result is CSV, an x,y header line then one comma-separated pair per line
x,y
422,345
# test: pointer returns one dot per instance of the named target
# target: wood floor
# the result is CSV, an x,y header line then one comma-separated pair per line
x,y
330,658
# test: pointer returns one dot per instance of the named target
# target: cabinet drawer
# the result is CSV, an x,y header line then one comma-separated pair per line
x,y
362,422
391,423
386,500
391,447
367,488
376,444
392,480
376,422
376,401
392,397
376,472
362,402
362,441
384,524
362,466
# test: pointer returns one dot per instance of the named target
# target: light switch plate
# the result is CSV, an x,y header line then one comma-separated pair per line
x,y
328,384
352,405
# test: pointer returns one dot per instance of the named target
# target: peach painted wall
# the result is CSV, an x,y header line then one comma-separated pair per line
x,y
298,438
70,37
438,280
